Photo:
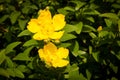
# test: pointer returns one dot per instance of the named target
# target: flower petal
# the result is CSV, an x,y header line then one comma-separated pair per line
x,y
33,26
39,36
51,48
62,52
59,21
56,35
60,63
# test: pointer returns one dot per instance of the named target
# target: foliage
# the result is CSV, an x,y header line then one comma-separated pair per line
x,y
94,54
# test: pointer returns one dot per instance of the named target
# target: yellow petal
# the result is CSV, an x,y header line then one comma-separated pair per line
x,y
51,48
60,63
99,28
39,36
62,52
33,26
44,16
59,21
56,35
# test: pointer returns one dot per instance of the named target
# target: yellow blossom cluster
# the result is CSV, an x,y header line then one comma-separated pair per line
x,y
45,27
48,28
54,57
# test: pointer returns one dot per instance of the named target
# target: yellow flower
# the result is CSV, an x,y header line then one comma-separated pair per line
x,y
45,27
99,28
54,57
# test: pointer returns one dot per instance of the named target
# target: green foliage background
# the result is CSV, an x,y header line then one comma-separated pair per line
x,y
94,55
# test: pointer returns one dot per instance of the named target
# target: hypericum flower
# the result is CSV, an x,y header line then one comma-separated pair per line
x,y
45,27
99,28
53,56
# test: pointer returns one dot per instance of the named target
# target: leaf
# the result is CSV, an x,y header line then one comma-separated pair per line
x,y
75,49
119,25
82,77
69,28
13,17
2,56
67,36
24,56
22,23
95,56
3,18
79,4
74,72
3,72
65,44
69,8
30,43
10,72
103,33
108,22
62,11
11,46
9,62
92,34
91,12
88,75
79,27
110,15
24,33
90,19
88,28
22,68
18,73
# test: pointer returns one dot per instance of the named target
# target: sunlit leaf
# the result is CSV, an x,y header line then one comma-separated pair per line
x,y
2,56
30,43
11,46
24,56
3,72
24,33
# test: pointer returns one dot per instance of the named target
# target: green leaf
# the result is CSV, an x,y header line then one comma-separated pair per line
x,y
31,42
119,25
67,36
108,22
22,23
69,8
74,72
114,68
18,73
92,34
24,56
62,11
24,33
65,44
88,75
95,56
13,17
109,15
22,68
2,56
11,46
9,62
88,28
69,28
79,27
3,18
82,77
79,4
3,72
116,6
75,49
90,19
10,72
103,33
91,12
